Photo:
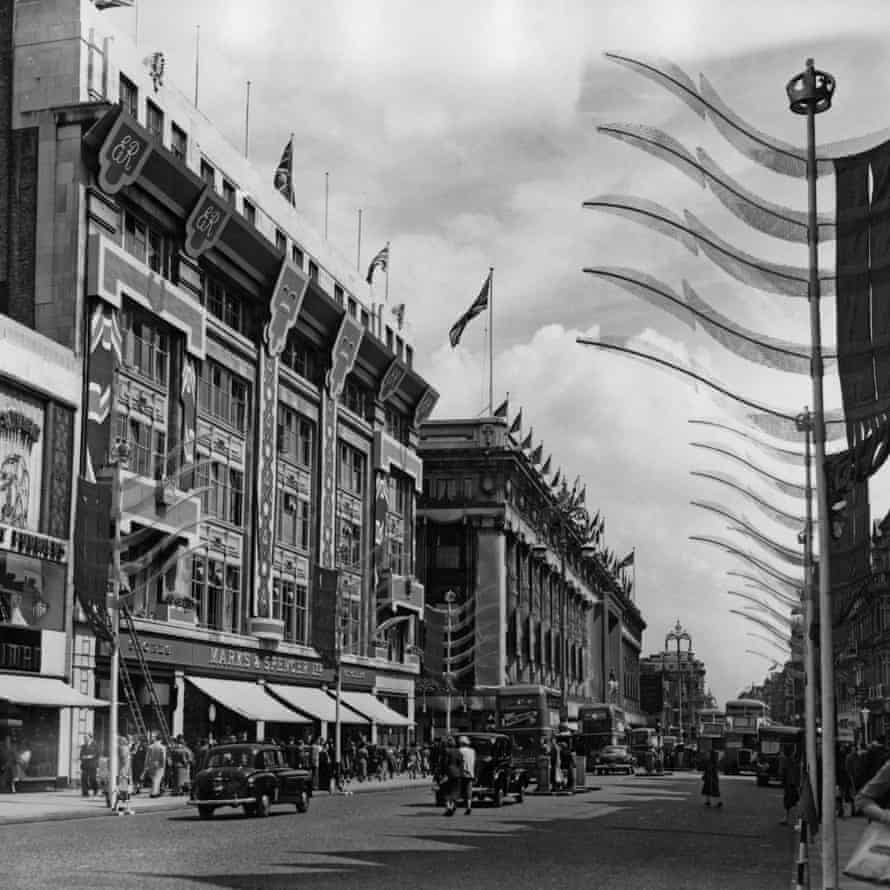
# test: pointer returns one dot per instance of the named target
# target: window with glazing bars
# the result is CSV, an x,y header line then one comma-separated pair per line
x,y
223,491
216,589
300,358
148,446
154,120
129,97
293,520
147,244
146,345
351,475
179,141
296,434
223,395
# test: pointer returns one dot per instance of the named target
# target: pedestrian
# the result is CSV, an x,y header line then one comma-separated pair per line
x,y
361,759
156,764
453,763
711,780
789,774
873,798
854,766
121,805
844,779
467,772
89,761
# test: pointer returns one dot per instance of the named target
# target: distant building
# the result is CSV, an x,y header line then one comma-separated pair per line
x,y
533,599
684,689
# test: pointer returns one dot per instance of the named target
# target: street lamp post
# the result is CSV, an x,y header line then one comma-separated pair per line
x,y
450,597
810,93
677,634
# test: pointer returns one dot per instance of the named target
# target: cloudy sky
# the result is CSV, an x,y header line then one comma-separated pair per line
x,y
466,133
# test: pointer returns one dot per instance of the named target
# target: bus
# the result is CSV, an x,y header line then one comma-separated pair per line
x,y
600,725
529,714
744,717
711,731
643,744
772,740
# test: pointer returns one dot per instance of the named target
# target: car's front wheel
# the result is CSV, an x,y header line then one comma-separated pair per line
x,y
497,798
205,812
303,801
263,806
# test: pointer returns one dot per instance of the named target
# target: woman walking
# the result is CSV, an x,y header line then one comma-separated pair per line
x,y
710,780
124,777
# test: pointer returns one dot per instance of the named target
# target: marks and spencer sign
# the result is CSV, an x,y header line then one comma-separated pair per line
x,y
232,660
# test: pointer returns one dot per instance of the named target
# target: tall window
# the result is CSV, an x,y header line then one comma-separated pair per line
x,y
409,356
351,476
223,395
147,244
223,495
228,191
289,606
352,307
294,519
301,357
179,141
357,399
146,346
396,424
129,97
226,304
296,435
313,270
296,256
281,240
249,212
216,589
338,294
148,446
208,173
154,120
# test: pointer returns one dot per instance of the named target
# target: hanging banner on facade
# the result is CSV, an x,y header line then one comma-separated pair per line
x,y
343,354
205,223
21,459
123,155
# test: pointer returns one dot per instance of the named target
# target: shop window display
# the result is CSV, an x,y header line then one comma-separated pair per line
x,y
29,751
32,592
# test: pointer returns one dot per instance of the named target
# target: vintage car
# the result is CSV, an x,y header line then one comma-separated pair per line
x,y
614,759
497,774
252,775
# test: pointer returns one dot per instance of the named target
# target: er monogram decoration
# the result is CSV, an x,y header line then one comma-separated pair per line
x,y
205,223
123,155
344,353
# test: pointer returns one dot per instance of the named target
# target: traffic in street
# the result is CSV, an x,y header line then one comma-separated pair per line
x,y
624,831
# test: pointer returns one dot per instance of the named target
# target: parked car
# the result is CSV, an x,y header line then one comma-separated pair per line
x,y
250,775
614,759
497,773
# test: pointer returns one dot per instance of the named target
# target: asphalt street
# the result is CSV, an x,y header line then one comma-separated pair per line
x,y
630,832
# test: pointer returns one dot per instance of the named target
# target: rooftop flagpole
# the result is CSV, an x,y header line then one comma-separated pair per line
x,y
491,340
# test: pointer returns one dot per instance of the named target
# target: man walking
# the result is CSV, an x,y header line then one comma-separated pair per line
x,y
156,764
89,761
467,772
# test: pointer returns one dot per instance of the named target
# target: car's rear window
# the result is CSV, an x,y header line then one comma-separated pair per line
x,y
230,757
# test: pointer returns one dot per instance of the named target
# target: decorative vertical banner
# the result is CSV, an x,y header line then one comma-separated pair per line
x,y
189,400
381,544
425,405
393,376
284,309
123,155
343,355
105,354
206,222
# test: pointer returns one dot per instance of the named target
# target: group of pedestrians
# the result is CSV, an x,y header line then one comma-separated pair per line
x,y
458,768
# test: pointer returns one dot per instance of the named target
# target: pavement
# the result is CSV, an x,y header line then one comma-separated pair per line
x,y
52,806
849,830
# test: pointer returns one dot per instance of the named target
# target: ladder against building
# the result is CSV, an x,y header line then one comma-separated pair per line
x,y
100,622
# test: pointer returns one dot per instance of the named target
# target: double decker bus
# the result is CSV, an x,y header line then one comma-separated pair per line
x,y
643,743
711,731
529,714
744,717
600,725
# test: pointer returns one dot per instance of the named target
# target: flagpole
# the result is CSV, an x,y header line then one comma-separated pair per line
x,y
326,206
197,59
491,340
247,119
358,251
290,173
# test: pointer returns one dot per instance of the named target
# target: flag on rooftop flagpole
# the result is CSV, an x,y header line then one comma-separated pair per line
x,y
546,468
516,426
380,261
627,562
501,410
527,441
284,173
556,479
399,312
537,454
480,304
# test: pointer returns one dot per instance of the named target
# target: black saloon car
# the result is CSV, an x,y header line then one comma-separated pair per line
x,y
250,775
614,759
497,774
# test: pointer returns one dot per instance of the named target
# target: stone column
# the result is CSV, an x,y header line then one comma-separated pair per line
x,y
491,607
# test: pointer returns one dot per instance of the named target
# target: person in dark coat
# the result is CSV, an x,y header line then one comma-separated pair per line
x,y
711,780
789,773
453,770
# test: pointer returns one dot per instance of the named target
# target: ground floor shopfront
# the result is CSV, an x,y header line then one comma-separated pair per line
x,y
219,690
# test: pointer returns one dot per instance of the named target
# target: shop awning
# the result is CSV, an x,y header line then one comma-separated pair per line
x,y
44,692
250,700
371,707
316,703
